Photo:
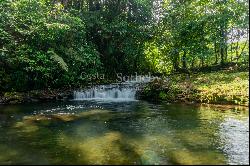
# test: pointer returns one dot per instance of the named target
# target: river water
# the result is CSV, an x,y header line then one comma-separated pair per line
x,y
122,132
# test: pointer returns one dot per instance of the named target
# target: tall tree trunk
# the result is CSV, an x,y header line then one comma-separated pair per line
x,y
216,53
242,50
231,52
223,44
222,55
226,53
237,51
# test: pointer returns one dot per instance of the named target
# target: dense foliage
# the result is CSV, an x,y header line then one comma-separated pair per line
x,y
62,43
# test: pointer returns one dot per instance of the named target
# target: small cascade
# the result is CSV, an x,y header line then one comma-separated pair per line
x,y
124,91
107,92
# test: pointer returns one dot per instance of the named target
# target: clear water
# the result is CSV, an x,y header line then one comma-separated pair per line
x,y
135,132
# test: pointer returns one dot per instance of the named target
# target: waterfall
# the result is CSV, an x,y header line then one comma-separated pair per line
x,y
107,92
124,91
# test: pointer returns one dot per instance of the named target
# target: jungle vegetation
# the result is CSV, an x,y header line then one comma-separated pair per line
x,y
60,43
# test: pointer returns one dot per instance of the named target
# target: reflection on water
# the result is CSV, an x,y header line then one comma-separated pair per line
x,y
90,132
235,139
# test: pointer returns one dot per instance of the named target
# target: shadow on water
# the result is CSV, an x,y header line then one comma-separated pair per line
x,y
34,142
47,139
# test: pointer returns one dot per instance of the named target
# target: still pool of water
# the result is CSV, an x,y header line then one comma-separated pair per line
x,y
135,132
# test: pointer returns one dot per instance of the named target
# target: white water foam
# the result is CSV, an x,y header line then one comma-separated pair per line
x,y
124,91
107,92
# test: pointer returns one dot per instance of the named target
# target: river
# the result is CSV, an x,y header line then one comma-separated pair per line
x,y
122,132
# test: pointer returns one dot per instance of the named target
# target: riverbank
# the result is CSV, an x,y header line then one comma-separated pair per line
x,y
35,96
221,87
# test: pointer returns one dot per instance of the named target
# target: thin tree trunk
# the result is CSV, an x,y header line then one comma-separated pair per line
x,y
237,51
231,52
243,48
216,54
222,55
223,44
226,53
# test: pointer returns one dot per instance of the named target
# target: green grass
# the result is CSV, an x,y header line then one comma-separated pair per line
x,y
222,87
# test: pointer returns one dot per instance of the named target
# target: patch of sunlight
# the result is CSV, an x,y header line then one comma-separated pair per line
x,y
96,114
64,117
151,148
213,112
26,127
187,157
109,148
197,138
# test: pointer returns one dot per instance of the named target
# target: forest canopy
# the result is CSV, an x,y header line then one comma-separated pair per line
x,y
59,43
